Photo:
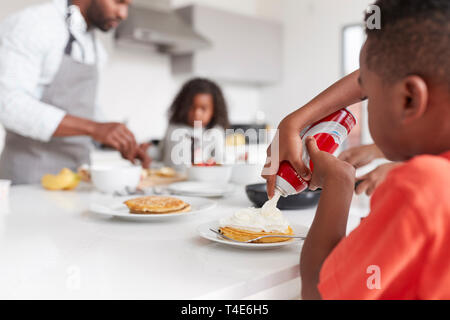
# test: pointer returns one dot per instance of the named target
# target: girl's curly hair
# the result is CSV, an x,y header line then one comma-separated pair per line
x,y
179,110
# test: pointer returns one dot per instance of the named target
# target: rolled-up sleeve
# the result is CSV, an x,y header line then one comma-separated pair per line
x,y
22,53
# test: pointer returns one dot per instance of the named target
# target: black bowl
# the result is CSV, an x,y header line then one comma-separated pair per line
x,y
257,193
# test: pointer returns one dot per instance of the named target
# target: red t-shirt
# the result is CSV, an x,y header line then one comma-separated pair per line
x,y
402,249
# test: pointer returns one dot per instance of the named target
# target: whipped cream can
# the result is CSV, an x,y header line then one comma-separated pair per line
x,y
329,133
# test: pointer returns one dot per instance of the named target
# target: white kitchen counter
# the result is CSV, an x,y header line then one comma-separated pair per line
x,y
52,247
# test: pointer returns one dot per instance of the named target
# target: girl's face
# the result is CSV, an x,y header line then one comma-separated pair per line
x,y
202,109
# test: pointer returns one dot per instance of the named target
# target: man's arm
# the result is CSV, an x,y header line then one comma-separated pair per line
x,y
337,179
115,135
22,52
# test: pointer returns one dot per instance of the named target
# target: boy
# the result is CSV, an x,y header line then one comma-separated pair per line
x,y
400,251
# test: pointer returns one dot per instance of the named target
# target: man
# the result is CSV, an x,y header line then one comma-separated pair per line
x,y
49,59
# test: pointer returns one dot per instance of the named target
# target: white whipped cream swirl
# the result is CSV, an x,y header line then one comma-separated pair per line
x,y
267,219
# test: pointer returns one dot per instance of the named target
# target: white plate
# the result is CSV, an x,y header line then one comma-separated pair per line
x,y
117,208
204,232
202,189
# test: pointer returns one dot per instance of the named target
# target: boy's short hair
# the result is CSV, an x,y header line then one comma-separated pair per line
x,y
414,39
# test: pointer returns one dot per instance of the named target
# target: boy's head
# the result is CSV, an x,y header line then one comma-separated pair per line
x,y
405,73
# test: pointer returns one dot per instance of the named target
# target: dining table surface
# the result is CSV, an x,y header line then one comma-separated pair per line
x,y
53,247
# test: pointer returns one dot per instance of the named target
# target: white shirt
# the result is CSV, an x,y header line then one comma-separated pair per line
x,y
32,44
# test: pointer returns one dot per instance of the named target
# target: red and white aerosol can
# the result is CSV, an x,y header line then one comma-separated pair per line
x,y
329,133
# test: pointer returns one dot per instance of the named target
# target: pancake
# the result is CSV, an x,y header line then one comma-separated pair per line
x,y
157,205
244,235
166,172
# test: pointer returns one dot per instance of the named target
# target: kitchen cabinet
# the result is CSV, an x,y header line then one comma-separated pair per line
x,y
244,49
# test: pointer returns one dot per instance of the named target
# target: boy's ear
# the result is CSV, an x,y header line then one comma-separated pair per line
x,y
415,95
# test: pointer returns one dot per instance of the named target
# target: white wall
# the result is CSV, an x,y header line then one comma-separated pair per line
x,y
268,9
149,87
312,51
312,46
137,85
8,7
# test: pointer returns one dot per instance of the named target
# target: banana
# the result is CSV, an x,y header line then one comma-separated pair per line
x,y
66,179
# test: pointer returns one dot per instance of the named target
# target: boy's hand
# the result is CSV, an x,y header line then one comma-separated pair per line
x,y
326,167
337,178
361,156
373,179
287,146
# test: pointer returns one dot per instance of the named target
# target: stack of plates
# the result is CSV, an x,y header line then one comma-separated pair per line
x,y
201,189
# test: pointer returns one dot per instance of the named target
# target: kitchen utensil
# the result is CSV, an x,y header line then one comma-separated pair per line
x,y
115,207
129,192
256,239
257,193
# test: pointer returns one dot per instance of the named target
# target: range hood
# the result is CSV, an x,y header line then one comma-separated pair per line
x,y
163,29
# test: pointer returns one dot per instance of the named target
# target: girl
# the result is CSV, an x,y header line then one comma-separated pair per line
x,y
199,107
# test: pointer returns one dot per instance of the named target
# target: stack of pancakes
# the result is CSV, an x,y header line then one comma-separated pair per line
x,y
157,205
244,235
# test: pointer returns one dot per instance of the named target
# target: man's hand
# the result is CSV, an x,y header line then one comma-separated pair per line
x,y
361,156
287,146
117,136
142,154
373,179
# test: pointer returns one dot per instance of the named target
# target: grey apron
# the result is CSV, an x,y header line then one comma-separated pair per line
x,y
74,88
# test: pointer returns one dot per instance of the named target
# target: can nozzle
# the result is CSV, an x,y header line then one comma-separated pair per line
x,y
280,192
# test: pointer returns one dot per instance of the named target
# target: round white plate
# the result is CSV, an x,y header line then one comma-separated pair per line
x,y
201,189
204,232
117,208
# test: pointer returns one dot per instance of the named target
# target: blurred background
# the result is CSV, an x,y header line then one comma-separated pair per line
x,y
269,56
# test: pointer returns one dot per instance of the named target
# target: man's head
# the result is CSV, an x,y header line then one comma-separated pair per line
x,y
405,73
104,14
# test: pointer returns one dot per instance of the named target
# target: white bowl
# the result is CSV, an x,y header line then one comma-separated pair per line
x,y
112,179
219,174
244,174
